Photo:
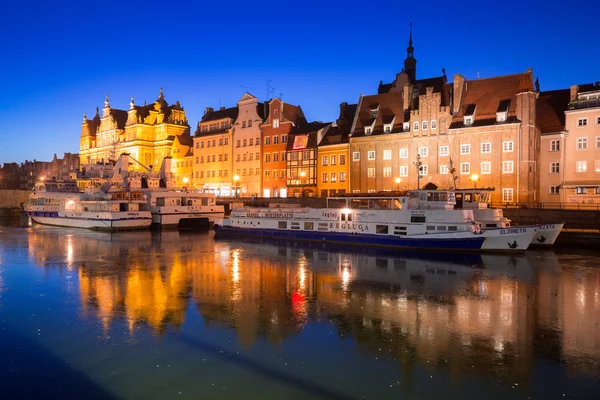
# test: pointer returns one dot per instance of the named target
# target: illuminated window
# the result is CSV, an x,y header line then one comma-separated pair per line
x,y
371,172
507,167
486,167
486,147
387,154
371,155
507,147
465,168
465,149
507,194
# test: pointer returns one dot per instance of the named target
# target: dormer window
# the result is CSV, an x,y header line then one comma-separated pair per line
x,y
424,125
502,111
469,115
406,126
416,126
388,123
368,130
374,109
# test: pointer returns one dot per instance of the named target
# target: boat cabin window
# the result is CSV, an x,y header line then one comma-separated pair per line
x,y
430,228
452,228
309,226
204,201
189,202
441,228
323,226
437,196
381,229
295,225
490,225
417,218
400,230
282,225
178,202
347,216
160,201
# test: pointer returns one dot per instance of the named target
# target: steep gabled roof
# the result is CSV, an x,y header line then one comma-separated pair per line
x,y
294,114
551,107
390,105
487,94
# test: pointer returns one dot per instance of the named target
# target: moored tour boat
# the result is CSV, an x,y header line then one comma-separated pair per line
x,y
479,201
60,203
378,221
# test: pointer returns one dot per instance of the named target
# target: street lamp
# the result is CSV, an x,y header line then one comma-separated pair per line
x,y
397,182
185,182
302,175
474,178
236,179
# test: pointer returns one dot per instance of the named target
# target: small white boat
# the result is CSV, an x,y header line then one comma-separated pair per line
x,y
479,201
60,203
406,221
183,209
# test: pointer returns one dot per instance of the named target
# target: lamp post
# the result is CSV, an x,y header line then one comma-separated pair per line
x,y
474,178
236,179
419,166
185,181
397,182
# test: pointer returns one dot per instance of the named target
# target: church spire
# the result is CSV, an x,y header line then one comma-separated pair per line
x,y
410,64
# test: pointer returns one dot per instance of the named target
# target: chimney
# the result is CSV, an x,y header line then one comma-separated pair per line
x,y
222,108
459,84
574,91
209,110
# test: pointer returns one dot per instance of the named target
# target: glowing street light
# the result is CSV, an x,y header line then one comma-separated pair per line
x,y
397,181
474,178
236,179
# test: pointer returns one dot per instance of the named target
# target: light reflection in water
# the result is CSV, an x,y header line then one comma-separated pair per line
x,y
441,309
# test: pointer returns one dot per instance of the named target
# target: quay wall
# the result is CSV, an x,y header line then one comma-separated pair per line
x,y
573,219
13,198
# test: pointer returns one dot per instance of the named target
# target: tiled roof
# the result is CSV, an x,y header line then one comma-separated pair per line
x,y
551,106
294,114
390,104
311,129
231,112
487,94
120,117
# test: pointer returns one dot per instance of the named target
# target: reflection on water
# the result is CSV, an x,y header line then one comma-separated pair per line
x,y
492,316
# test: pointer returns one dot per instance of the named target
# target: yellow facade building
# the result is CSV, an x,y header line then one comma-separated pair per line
x,y
213,152
145,132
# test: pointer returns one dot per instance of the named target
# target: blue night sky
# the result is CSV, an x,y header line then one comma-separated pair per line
x,y
59,59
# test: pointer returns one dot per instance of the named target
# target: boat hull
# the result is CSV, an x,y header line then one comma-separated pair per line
x,y
176,219
546,235
472,243
517,238
53,219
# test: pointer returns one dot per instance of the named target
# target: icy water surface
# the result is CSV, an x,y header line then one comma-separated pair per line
x,y
143,315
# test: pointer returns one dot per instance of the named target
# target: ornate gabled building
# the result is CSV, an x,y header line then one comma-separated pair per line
x,y
246,145
431,132
281,118
145,132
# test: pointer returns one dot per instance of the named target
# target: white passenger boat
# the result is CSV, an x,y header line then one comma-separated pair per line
x,y
60,203
183,209
170,207
407,221
479,201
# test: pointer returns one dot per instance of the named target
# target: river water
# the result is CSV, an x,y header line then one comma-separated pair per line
x,y
141,315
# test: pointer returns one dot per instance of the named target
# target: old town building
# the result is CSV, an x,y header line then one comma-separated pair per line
x,y
280,119
145,132
551,107
182,163
333,155
460,134
213,151
247,145
302,153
